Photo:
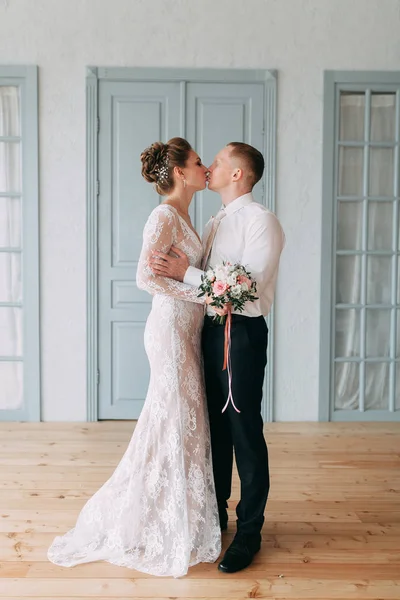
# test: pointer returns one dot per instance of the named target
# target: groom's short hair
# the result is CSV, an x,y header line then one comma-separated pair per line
x,y
251,158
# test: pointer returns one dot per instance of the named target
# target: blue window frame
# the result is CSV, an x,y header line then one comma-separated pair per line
x,y
19,245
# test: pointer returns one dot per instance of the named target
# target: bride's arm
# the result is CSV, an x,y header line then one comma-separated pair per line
x,y
159,235
177,267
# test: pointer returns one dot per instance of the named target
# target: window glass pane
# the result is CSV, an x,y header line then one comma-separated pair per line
x,y
381,172
10,277
398,224
10,121
347,333
398,335
11,388
379,277
10,222
348,279
349,226
377,333
352,109
350,171
380,225
383,117
377,377
10,331
398,280
347,382
10,167
397,395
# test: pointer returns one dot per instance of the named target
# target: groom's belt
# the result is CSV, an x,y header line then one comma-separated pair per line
x,y
211,322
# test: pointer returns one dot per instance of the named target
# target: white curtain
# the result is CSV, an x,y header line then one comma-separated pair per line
x,y
350,236
11,334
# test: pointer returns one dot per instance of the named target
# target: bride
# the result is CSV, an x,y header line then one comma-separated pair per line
x,y
158,511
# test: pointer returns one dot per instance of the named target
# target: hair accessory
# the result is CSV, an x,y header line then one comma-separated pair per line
x,y
162,170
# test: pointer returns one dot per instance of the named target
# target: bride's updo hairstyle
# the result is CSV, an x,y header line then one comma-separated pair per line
x,y
159,160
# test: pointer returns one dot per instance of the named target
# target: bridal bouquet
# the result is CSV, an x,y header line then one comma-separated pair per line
x,y
228,285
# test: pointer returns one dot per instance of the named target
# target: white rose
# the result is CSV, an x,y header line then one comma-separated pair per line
x,y
220,275
236,291
231,280
210,274
245,287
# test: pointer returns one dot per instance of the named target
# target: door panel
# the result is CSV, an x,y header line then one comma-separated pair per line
x,y
132,115
216,115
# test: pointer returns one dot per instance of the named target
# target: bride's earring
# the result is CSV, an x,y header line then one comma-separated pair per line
x,y
184,182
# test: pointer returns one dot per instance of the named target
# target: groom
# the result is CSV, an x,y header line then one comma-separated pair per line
x,y
247,233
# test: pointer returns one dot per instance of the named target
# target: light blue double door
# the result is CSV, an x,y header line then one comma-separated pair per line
x,y
133,114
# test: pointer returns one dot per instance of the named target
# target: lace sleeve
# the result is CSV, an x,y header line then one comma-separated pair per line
x,y
159,234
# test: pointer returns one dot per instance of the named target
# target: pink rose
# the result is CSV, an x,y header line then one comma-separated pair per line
x,y
219,288
242,279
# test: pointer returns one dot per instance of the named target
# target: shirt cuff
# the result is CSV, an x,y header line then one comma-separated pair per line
x,y
193,276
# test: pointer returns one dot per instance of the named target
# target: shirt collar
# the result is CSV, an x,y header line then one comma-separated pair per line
x,y
239,203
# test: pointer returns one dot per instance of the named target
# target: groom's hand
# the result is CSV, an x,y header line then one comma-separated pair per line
x,y
220,311
169,266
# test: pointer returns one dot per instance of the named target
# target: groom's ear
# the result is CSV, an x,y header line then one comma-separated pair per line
x,y
237,175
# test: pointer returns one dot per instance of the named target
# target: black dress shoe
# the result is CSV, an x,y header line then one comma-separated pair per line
x,y
239,555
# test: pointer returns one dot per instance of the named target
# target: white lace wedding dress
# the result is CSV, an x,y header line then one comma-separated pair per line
x,y
158,512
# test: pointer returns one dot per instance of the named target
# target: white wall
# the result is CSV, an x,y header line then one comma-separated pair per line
x,y
300,38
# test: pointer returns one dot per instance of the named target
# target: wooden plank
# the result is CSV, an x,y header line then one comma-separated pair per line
x,y
33,546
221,587
271,568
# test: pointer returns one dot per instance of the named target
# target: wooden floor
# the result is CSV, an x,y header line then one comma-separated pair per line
x,y
332,525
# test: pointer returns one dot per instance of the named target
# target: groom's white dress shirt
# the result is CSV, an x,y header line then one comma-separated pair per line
x,y
251,235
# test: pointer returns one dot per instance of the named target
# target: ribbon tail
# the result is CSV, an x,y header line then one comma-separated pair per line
x,y
230,395
227,338
227,361
226,405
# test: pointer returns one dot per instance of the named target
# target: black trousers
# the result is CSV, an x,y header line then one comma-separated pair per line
x,y
230,430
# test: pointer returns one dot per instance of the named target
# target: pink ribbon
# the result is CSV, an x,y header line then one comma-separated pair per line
x,y
227,359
